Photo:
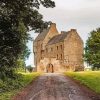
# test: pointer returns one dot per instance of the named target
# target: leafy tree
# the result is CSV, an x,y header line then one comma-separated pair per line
x,y
17,18
92,49
29,68
20,65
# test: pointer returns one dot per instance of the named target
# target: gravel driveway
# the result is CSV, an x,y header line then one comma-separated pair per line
x,y
54,87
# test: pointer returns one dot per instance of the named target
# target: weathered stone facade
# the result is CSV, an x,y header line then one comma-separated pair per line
x,y
58,52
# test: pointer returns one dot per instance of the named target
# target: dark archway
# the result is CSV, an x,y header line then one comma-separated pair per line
x,y
50,68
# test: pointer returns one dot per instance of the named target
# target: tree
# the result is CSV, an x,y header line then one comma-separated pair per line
x,y
17,18
92,49
29,68
20,65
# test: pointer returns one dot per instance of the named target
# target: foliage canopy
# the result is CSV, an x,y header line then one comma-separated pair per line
x,y
17,18
92,49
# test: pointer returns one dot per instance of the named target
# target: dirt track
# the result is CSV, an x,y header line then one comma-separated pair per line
x,y
54,87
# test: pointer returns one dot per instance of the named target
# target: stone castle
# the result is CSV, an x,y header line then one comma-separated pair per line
x,y
58,52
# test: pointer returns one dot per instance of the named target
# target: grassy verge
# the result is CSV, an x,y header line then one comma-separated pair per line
x,y
11,87
91,79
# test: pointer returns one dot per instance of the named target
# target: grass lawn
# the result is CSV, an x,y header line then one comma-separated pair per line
x,y
14,86
89,78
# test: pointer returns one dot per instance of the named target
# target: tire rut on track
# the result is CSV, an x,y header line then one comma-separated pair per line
x,y
53,86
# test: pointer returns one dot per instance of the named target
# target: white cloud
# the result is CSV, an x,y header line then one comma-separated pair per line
x,y
76,4
81,14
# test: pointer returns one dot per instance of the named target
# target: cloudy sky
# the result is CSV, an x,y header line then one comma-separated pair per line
x,y
83,15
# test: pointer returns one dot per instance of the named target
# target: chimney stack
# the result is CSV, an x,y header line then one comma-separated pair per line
x,y
53,28
53,25
73,30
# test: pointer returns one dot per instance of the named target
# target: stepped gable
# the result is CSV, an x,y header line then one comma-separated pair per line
x,y
58,38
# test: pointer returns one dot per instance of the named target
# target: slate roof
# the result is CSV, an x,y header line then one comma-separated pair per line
x,y
58,38
42,35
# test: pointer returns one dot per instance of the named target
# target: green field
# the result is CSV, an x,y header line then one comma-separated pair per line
x,y
11,87
89,78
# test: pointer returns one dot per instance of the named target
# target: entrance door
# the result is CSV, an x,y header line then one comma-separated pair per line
x,y
50,68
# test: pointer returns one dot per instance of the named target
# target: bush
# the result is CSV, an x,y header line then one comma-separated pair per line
x,y
10,86
29,68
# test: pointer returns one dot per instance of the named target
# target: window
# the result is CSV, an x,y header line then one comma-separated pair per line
x,y
42,51
57,56
61,56
57,47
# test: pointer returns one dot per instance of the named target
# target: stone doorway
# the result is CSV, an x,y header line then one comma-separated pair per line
x,y
50,68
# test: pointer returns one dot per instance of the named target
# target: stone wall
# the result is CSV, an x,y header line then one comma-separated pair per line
x,y
73,51
43,65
